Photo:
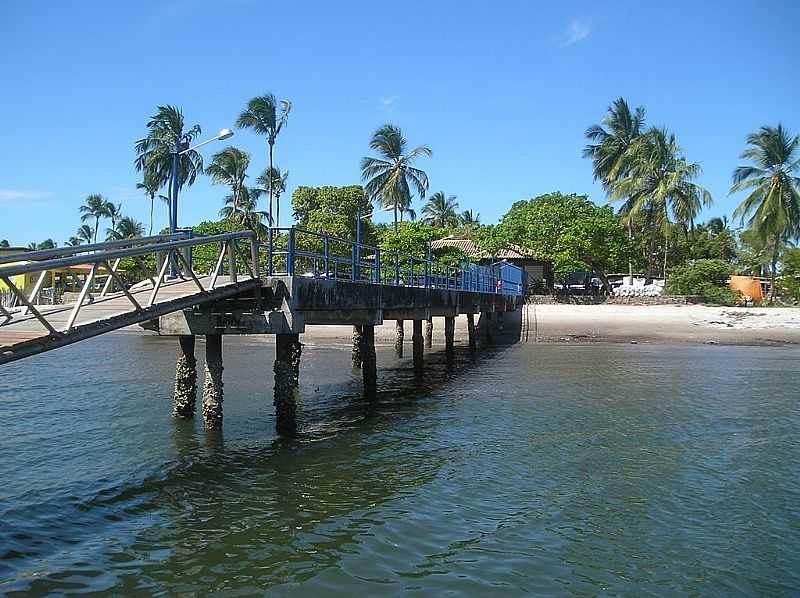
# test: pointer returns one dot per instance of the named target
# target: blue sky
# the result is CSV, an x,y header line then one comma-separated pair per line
x,y
501,91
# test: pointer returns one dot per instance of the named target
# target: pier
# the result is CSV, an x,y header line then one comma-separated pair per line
x,y
183,286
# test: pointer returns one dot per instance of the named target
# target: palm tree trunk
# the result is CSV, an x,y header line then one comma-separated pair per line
x,y
270,183
630,262
152,200
96,227
395,217
774,273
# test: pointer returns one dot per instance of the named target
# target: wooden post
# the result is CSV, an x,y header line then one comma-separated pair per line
x,y
212,385
429,332
368,364
417,340
284,395
471,331
185,397
398,342
357,346
449,329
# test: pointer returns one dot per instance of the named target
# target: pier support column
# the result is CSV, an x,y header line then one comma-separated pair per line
x,y
471,332
429,332
401,334
284,398
185,397
295,351
357,346
417,340
212,385
368,364
449,330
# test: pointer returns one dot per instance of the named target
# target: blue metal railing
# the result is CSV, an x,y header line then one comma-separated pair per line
x,y
298,252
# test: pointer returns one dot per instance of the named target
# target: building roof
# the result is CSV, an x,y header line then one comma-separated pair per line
x,y
512,252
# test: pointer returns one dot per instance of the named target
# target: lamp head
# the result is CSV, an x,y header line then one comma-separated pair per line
x,y
225,134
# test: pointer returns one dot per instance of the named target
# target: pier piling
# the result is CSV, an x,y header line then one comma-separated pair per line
x,y
285,386
401,333
185,397
212,384
368,364
429,332
471,331
449,329
417,341
357,346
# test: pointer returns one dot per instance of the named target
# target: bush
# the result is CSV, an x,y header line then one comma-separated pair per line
x,y
707,278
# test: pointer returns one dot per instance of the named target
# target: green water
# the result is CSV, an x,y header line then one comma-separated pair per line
x,y
535,470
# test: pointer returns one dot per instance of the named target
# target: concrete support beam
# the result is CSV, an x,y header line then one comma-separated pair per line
x,y
368,364
417,341
401,334
471,332
185,397
212,384
429,332
356,346
295,351
285,399
449,330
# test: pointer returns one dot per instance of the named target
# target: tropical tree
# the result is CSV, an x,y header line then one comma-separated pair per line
x,y
262,116
73,242
441,210
85,233
46,244
113,211
126,228
469,218
229,167
165,131
410,212
242,211
390,177
95,207
659,180
5,243
274,182
150,186
772,206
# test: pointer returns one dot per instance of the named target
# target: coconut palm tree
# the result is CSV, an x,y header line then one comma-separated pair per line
x,y
262,116
272,179
441,210
113,211
229,167
469,218
166,130
73,242
150,186
85,233
410,212
46,244
126,228
96,207
772,207
390,178
657,176
243,212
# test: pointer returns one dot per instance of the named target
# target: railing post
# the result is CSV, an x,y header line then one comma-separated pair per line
x,y
378,266
397,268
327,251
254,257
270,239
353,259
232,261
290,254
411,272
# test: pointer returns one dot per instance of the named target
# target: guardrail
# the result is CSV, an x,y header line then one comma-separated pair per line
x,y
293,251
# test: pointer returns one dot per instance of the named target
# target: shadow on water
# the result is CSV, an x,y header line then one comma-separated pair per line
x,y
259,509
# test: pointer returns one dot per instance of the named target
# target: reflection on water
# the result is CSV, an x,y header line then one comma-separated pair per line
x,y
526,470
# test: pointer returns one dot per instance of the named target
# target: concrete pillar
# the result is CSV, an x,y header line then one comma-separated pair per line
x,y
417,340
449,330
212,385
398,342
429,332
368,364
356,346
471,332
285,388
295,351
185,397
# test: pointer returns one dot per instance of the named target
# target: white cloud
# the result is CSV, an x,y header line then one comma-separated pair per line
x,y
23,195
388,101
576,31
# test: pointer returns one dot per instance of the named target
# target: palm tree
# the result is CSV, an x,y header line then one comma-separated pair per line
x,y
441,210
46,244
85,233
410,212
272,179
165,131
126,228
772,208
95,207
73,242
150,186
229,167
243,212
114,212
261,115
469,218
658,177
391,177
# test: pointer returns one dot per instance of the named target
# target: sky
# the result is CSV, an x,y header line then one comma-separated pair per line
x,y
502,92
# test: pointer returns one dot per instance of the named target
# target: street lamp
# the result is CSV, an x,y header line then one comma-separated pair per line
x,y
178,150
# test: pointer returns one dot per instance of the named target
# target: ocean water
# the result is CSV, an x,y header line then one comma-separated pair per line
x,y
527,470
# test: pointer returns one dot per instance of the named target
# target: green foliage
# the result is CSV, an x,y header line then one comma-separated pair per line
x,y
333,211
707,278
411,238
704,242
441,210
569,230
